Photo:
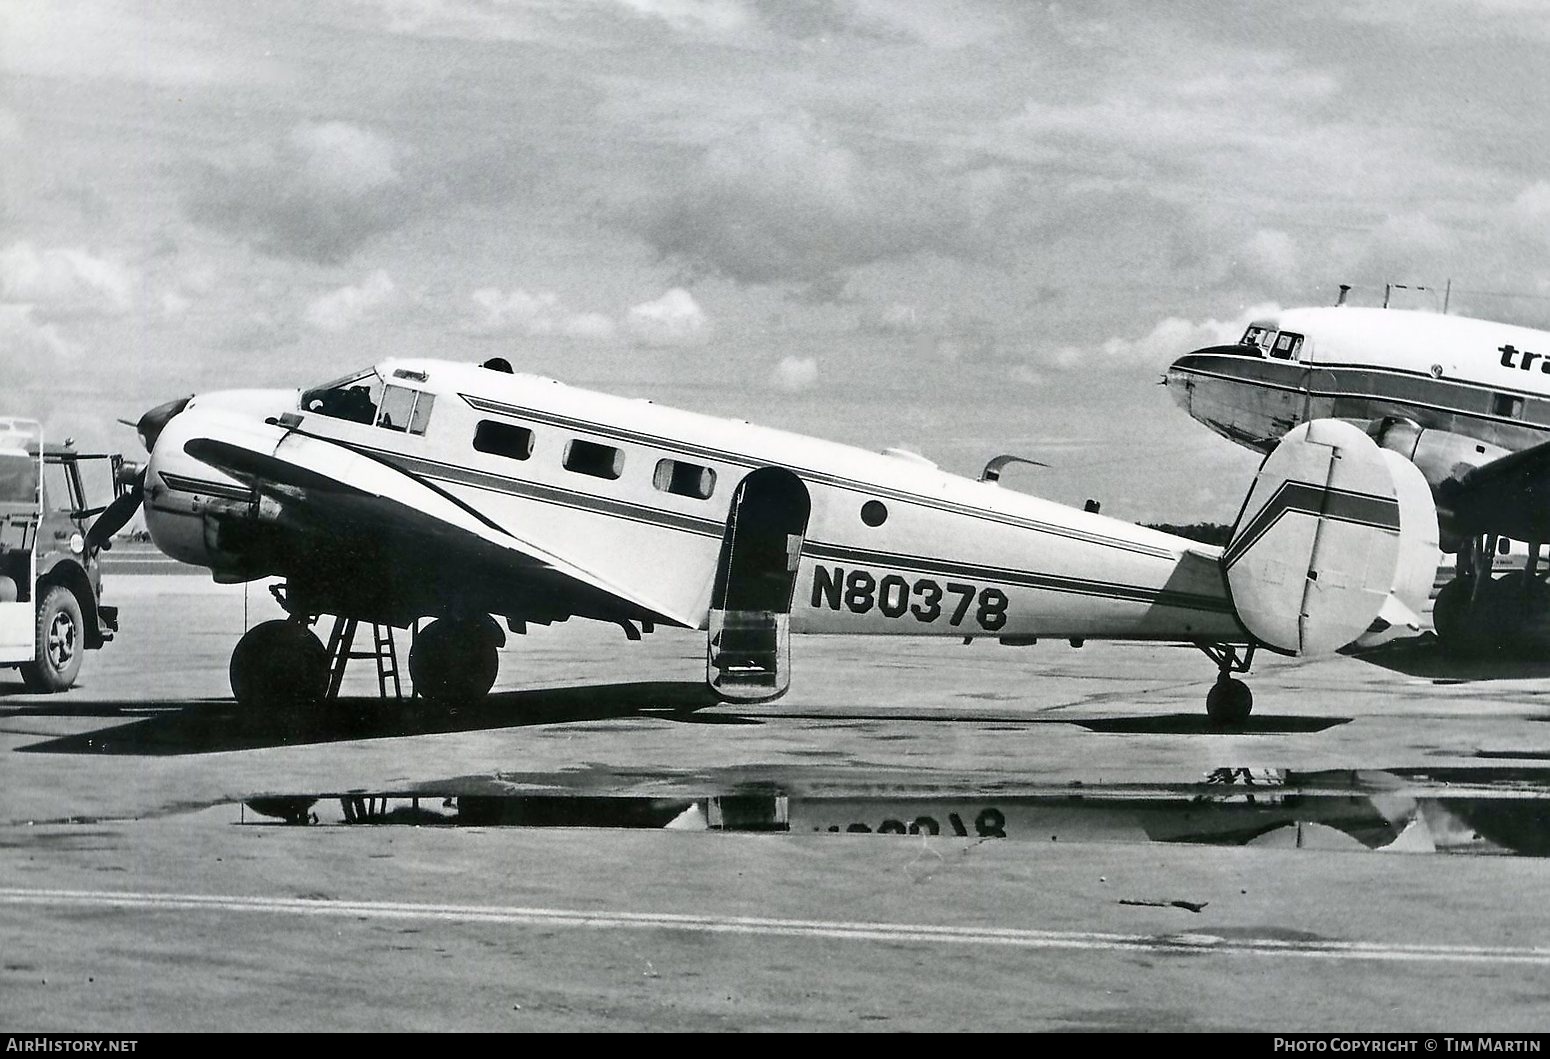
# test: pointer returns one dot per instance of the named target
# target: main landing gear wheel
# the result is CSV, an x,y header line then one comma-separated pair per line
x,y
58,643
1229,702
453,661
279,663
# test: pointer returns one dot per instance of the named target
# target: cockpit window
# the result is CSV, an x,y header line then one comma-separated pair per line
x,y
1258,335
354,397
404,409
1287,345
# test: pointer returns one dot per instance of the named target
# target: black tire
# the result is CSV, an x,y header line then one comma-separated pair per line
x,y
1229,702
453,662
1478,631
279,663
1450,614
58,644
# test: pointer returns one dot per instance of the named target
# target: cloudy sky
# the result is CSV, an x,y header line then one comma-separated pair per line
x,y
961,227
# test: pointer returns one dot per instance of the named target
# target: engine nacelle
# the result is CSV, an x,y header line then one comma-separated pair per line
x,y
199,515
1442,457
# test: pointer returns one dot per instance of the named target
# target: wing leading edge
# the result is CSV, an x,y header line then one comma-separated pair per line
x,y
325,485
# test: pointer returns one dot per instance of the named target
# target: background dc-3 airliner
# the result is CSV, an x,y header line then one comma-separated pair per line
x,y
1466,400
476,498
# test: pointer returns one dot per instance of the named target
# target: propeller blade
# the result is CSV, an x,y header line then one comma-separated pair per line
x,y
117,514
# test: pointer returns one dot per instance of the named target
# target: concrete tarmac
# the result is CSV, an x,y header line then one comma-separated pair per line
x,y
1367,854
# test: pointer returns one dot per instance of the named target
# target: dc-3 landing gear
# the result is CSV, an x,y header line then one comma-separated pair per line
x,y
1229,701
1478,616
453,662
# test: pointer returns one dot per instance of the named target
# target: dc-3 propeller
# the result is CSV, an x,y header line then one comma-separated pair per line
x,y
117,514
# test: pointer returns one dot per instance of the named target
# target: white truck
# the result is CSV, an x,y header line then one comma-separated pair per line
x,y
51,609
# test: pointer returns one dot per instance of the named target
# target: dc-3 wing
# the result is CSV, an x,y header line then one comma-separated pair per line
x,y
1509,496
328,488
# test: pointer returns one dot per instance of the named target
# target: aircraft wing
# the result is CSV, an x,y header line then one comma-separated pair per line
x,y
1510,495
328,488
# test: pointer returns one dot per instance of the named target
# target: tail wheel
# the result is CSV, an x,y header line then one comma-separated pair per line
x,y
60,641
279,663
1229,702
454,662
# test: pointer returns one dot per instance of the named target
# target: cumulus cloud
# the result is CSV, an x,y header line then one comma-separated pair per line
x,y
26,343
341,309
716,16
317,194
1270,254
795,374
783,201
1176,336
520,312
1531,209
675,319
61,283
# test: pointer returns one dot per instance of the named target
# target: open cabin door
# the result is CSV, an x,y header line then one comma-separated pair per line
x,y
21,508
748,650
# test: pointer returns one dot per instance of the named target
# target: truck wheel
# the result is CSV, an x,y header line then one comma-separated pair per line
x,y
59,643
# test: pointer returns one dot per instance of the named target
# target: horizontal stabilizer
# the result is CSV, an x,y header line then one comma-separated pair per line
x,y
1336,533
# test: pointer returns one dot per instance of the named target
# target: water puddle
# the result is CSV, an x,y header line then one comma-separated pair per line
x,y
1477,811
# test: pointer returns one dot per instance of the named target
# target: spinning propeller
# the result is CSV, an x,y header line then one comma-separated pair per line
x,y
117,514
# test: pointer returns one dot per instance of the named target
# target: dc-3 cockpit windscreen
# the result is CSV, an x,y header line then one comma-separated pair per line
x,y
363,397
1263,340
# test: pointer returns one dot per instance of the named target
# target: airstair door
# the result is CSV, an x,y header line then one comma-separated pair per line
x,y
21,512
748,653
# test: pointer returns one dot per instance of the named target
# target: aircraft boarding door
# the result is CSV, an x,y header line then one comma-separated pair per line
x,y
21,471
748,650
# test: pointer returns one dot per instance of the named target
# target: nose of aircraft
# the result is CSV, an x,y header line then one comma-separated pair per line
x,y
150,425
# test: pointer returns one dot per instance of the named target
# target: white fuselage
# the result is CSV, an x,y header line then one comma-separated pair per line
x,y
1476,379
893,545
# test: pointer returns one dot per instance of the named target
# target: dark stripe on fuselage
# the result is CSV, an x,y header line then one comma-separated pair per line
x,y
1341,505
1017,578
1391,386
678,447
419,467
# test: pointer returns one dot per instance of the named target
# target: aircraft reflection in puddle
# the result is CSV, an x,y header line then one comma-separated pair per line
x,y
1483,811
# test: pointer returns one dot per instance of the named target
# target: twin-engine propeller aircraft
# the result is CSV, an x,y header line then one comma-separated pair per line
x,y
1467,401
466,494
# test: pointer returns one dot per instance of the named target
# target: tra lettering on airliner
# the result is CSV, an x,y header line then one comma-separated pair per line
x,y
1510,351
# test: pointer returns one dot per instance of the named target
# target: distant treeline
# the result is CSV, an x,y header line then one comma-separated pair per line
x,y
1204,532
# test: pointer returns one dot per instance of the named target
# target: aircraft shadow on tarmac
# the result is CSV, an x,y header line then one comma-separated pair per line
x,y
1422,656
1155,724
218,725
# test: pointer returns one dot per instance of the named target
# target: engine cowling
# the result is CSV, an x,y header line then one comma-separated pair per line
x,y
1443,458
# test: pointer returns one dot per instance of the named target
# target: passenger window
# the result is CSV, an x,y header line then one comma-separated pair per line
x,y
599,461
503,439
684,479
397,405
351,399
1507,405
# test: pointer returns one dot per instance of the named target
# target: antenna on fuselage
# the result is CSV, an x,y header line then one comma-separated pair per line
x,y
1345,288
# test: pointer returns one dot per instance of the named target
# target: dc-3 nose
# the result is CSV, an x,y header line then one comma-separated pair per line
x,y
1184,373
